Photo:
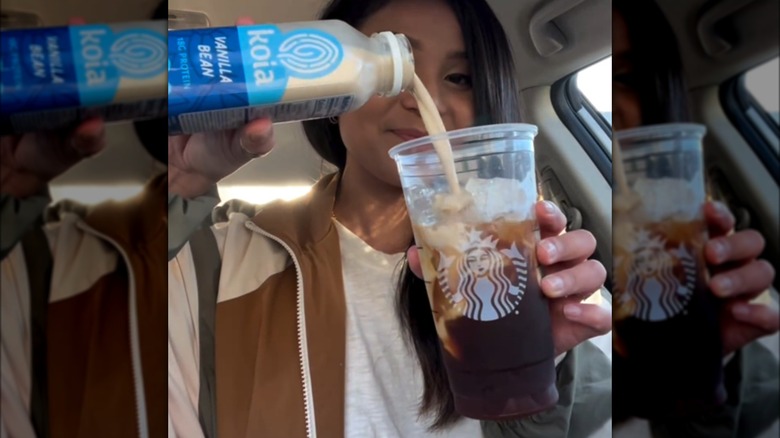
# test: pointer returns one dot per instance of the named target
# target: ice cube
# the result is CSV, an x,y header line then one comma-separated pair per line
x,y
499,197
451,203
668,198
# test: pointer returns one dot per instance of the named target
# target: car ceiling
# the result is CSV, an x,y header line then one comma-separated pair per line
x,y
57,12
749,26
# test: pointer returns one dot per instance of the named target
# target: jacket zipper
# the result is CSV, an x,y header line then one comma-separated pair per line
x,y
303,349
135,345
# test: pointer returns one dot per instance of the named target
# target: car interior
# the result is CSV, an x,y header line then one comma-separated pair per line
x,y
720,42
552,41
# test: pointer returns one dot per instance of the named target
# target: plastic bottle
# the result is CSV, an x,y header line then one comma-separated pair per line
x,y
220,78
54,77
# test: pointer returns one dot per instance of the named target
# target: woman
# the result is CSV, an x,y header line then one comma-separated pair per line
x,y
331,355
649,88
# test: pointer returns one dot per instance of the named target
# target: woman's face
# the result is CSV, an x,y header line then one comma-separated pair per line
x,y
625,99
440,62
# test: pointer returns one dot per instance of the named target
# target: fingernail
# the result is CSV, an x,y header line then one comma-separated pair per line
x,y
549,207
719,247
722,285
722,210
554,285
740,310
572,310
550,249
256,137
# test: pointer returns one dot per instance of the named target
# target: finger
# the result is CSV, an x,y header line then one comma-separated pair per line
x,y
552,221
752,278
413,258
758,315
244,21
719,219
596,318
574,245
744,245
89,137
580,279
257,138
177,142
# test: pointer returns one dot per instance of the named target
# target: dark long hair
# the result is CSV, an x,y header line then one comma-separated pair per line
x,y
659,79
496,100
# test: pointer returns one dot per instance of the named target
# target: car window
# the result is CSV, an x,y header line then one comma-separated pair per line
x,y
583,101
761,83
595,84
91,194
262,194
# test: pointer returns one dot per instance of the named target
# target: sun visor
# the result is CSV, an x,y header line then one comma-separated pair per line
x,y
547,36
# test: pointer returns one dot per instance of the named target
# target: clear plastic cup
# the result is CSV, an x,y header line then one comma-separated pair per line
x,y
667,342
480,269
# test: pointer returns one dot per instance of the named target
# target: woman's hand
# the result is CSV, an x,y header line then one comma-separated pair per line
x,y
738,277
197,162
570,278
28,162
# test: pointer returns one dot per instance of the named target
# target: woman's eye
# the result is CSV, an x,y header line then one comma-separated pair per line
x,y
461,80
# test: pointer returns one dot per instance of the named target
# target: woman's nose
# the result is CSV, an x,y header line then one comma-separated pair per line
x,y
409,102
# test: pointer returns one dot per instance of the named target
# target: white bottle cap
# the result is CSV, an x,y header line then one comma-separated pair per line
x,y
398,62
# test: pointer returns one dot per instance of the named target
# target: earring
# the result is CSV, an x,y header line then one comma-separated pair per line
x,y
333,120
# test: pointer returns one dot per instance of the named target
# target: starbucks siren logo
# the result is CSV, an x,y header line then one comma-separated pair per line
x,y
484,292
655,291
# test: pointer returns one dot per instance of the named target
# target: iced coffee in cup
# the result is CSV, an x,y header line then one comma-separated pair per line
x,y
666,337
477,250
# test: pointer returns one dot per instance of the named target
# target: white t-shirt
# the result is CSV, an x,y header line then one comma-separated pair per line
x,y
384,384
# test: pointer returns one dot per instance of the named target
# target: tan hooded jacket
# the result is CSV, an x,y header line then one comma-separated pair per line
x,y
82,344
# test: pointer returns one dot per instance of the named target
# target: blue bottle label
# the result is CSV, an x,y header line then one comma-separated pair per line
x,y
103,58
76,66
232,67
35,62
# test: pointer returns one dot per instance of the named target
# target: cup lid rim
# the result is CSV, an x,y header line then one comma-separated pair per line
x,y
660,130
463,132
